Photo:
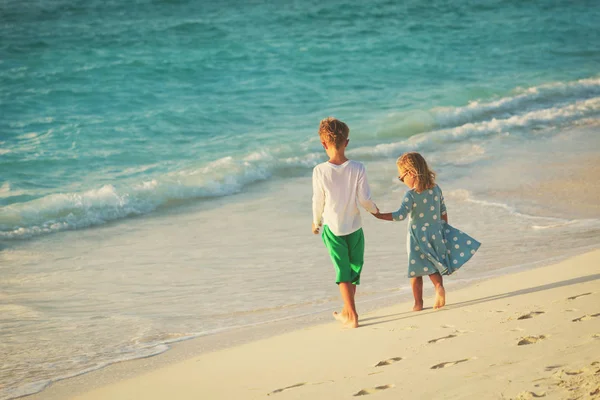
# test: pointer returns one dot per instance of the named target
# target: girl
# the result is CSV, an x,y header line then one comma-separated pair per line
x,y
434,247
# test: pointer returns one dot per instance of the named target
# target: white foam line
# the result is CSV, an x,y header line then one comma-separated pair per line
x,y
556,93
36,387
560,222
516,124
512,210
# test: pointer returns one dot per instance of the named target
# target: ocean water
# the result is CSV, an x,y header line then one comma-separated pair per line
x,y
155,157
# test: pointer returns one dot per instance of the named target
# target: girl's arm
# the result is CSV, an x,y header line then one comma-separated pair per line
x,y
384,216
400,215
443,211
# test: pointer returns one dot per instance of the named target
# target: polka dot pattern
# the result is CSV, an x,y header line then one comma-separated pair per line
x,y
435,246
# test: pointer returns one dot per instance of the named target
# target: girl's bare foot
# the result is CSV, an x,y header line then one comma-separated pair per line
x,y
418,306
440,297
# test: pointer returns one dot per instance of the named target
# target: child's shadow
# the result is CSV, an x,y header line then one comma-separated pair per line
x,y
554,285
391,315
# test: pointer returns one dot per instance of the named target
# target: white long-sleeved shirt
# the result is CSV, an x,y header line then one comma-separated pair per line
x,y
336,191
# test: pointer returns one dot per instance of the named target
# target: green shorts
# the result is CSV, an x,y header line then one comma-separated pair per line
x,y
347,254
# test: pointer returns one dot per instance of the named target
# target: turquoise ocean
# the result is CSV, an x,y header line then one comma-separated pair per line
x,y
156,155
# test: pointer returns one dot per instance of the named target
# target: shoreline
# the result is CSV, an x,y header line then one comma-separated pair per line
x,y
115,376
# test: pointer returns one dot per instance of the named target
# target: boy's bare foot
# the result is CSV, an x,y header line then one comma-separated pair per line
x,y
346,320
440,297
351,323
418,306
340,317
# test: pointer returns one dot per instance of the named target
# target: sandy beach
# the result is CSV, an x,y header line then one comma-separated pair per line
x,y
532,334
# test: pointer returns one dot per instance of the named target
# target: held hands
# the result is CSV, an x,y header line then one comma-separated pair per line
x,y
383,216
315,228
376,213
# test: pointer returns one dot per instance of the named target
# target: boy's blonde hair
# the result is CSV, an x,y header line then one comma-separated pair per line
x,y
415,164
333,131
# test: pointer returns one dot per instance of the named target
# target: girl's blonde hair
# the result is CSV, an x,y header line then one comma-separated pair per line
x,y
415,164
333,131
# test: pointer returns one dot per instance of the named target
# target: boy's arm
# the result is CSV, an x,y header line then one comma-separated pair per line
x,y
318,202
364,193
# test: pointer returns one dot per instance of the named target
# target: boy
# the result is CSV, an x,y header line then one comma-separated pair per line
x,y
337,185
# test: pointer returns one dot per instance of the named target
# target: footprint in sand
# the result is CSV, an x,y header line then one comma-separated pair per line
x,y
460,331
529,395
596,335
442,338
388,361
579,295
365,392
286,388
552,367
531,340
449,363
578,372
586,317
530,315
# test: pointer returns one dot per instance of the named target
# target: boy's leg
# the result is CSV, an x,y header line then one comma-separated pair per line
x,y
440,292
356,254
348,315
340,256
417,289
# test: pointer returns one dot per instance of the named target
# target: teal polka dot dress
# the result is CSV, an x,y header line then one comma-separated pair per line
x,y
432,244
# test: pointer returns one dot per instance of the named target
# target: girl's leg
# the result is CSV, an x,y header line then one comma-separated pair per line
x,y
417,289
440,292
348,316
